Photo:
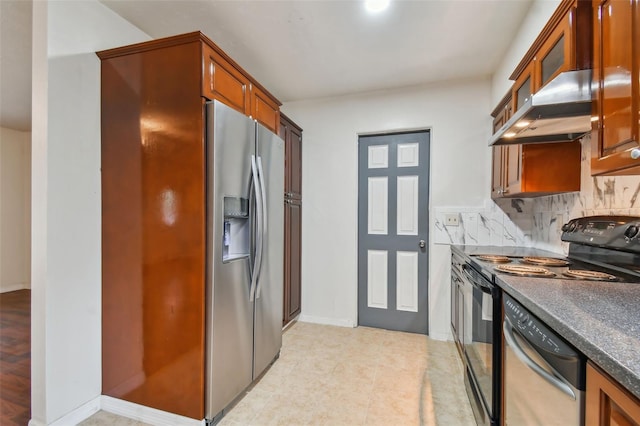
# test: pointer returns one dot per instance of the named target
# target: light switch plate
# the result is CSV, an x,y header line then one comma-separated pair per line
x,y
452,219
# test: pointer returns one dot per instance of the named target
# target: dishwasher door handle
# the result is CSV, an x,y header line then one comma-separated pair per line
x,y
556,381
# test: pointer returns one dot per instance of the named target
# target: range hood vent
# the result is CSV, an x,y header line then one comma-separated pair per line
x,y
559,112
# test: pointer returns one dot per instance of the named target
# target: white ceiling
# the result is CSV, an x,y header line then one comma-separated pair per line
x,y
301,49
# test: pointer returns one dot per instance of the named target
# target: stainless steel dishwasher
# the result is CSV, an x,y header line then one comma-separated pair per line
x,y
544,376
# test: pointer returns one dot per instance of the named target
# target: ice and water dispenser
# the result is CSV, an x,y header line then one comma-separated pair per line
x,y
236,233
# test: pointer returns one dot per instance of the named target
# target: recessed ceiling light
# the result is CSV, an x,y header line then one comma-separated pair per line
x,y
376,5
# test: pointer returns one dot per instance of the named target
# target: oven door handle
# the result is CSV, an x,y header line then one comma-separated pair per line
x,y
475,283
553,379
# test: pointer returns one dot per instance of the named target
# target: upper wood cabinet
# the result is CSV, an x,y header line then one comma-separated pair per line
x,y
264,109
226,81
608,403
223,81
615,134
500,115
563,44
532,169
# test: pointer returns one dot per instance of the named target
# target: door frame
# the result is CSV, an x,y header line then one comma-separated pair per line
x,y
429,224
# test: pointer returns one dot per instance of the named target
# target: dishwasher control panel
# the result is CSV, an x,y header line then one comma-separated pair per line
x,y
534,330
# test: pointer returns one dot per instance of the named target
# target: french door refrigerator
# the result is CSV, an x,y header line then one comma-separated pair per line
x,y
245,245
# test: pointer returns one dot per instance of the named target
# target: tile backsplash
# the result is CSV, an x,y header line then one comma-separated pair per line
x,y
536,222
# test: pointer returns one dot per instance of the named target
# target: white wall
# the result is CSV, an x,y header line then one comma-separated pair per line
x,y
66,261
458,115
536,19
15,210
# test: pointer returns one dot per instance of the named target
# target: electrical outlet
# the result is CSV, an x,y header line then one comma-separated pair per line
x,y
452,219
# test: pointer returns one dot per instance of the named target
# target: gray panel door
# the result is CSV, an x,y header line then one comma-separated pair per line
x,y
268,315
393,223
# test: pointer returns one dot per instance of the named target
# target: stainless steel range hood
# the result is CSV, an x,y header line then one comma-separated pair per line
x,y
559,112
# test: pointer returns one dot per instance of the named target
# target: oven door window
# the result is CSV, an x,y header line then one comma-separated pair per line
x,y
479,342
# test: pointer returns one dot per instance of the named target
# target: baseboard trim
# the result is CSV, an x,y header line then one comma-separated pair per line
x,y
326,321
81,413
14,287
441,336
145,414
122,408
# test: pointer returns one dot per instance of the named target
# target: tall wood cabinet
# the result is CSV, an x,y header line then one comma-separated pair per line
x,y
615,134
292,135
153,213
607,403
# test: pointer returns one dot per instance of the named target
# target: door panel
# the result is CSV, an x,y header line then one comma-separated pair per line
x,y
407,207
392,222
230,144
377,283
293,211
268,314
407,281
378,208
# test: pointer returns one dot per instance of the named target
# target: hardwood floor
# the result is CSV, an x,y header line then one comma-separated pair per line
x,y
15,358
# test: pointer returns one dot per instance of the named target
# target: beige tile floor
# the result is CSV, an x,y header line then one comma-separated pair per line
x,y
351,376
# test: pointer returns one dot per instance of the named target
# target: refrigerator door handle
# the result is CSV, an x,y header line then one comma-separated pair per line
x,y
263,229
259,207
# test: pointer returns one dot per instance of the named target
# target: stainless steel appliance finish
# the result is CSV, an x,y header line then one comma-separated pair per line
x,y
544,376
245,186
476,327
558,112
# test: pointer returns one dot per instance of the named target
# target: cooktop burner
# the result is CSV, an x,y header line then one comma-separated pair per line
x,y
493,258
589,275
544,261
525,270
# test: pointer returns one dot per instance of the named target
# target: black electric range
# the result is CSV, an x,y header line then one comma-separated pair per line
x,y
601,248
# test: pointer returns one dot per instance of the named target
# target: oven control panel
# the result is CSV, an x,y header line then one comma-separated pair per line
x,y
616,232
534,330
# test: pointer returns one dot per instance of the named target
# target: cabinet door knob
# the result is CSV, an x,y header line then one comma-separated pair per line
x,y
635,153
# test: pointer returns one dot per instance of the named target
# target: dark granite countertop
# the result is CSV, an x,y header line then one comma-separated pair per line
x,y
600,319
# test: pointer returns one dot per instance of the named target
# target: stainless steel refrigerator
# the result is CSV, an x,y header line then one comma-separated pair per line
x,y
245,248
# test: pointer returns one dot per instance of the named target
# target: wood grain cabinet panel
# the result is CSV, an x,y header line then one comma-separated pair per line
x,y
607,402
615,135
223,82
153,99
541,169
565,43
264,109
532,169
293,285
153,228
292,135
501,115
